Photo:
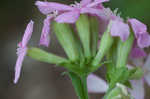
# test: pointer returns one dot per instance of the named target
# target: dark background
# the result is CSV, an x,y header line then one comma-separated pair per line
x,y
40,80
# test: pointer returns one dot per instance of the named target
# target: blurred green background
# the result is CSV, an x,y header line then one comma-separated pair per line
x,y
40,80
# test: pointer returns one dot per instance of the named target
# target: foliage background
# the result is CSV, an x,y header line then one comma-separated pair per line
x,y
40,80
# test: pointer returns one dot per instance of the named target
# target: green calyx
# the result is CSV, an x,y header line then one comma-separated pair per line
x,y
66,38
44,56
105,44
123,51
83,29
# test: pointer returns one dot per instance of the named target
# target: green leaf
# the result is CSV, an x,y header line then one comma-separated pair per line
x,y
44,56
67,40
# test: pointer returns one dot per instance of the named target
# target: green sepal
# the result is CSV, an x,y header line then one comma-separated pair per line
x,y
43,56
123,50
136,73
94,27
118,75
67,40
83,29
80,85
105,44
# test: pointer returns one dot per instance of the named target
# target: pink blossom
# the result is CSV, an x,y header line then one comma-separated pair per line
x,y
65,14
138,85
22,50
70,14
140,31
96,84
116,24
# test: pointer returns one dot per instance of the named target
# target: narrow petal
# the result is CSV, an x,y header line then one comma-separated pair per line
x,y
137,53
137,26
138,89
45,40
146,68
147,78
68,17
90,10
19,62
48,7
96,84
143,40
118,28
27,34
147,63
85,2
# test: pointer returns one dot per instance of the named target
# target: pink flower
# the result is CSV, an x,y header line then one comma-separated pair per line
x,y
140,31
65,14
138,85
96,84
116,25
70,14
22,50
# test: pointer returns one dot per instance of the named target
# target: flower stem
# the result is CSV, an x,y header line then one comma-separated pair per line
x,y
80,85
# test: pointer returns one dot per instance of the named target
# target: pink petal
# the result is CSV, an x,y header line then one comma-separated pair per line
x,y
147,63
19,62
146,68
27,34
137,53
44,40
96,2
118,28
68,17
143,40
147,78
96,84
85,2
48,7
140,31
138,89
90,11
137,26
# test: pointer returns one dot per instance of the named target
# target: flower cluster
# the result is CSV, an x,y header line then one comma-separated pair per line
x,y
88,18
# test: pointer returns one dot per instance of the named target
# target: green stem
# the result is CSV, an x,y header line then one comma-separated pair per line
x,y
80,85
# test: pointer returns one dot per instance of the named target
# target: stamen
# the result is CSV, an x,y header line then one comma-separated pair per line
x,y
76,5
54,13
